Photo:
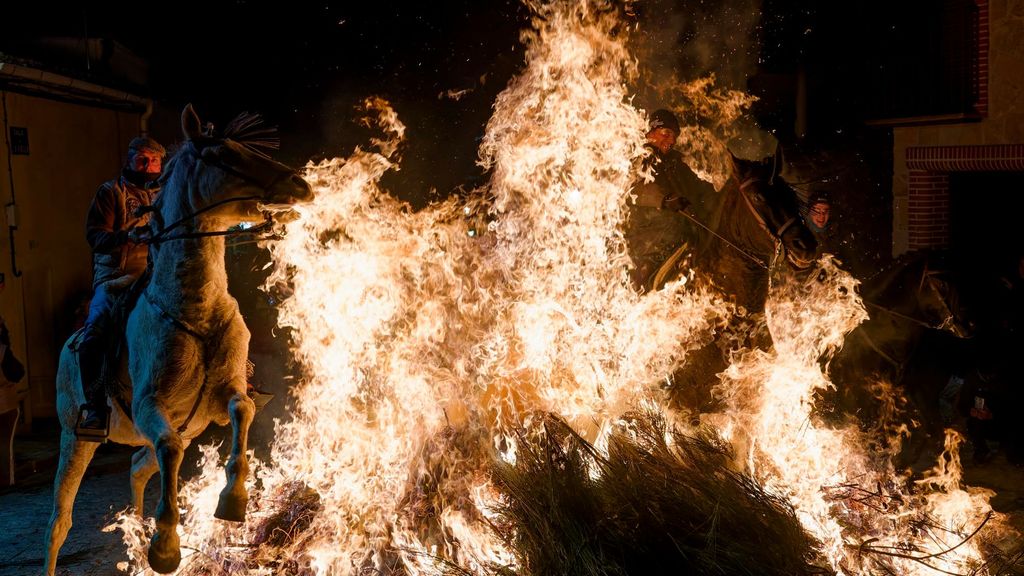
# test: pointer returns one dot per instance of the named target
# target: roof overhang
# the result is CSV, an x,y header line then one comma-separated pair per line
x,y
45,84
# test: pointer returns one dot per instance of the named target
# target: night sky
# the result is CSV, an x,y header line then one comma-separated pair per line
x,y
307,66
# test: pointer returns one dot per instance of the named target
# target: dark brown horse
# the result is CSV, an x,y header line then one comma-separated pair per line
x,y
758,226
916,293
758,220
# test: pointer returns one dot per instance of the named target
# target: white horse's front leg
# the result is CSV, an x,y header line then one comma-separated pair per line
x,y
165,547
144,465
234,497
74,459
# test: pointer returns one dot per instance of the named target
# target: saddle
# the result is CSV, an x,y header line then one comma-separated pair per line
x,y
114,367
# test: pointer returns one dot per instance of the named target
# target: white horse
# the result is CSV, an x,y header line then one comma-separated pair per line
x,y
187,342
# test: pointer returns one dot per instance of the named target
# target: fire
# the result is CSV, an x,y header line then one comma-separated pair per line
x,y
424,345
722,111
853,501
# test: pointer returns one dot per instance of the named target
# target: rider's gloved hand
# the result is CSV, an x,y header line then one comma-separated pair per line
x,y
140,235
675,203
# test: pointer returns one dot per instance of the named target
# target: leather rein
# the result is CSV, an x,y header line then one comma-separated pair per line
x,y
776,235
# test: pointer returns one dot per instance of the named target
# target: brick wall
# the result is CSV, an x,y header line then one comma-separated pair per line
x,y
928,184
924,155
981,106
928,209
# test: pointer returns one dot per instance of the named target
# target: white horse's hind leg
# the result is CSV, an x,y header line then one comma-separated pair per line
x,y
74,459
233,499
164,548
144,465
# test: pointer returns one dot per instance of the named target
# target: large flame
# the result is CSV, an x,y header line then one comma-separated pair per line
x,y
423,344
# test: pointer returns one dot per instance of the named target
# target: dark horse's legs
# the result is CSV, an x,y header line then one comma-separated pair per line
x,y
693,382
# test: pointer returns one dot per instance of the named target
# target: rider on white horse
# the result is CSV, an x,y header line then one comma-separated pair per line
x,y
117,235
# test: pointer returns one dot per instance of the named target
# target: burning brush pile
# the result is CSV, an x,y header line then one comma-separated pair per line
x,y
495,403
655,501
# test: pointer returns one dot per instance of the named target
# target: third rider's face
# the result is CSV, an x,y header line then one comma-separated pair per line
x,y
820,214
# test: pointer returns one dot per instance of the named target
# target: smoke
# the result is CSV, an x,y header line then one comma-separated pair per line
x,y
693,39
695,58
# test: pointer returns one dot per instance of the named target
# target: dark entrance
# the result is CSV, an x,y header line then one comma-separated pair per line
x,y
986,230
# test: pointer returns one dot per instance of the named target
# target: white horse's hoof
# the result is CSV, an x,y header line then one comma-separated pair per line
x,y
164,555
231,506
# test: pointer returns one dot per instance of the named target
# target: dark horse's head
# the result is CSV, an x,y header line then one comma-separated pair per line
x,y
922,288
941,299
774,205
227,177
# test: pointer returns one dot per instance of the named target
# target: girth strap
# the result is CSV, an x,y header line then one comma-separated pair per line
x,y
178,323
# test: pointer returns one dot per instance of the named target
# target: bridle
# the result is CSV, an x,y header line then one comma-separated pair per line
x,y
163,234
726,241
776,235
948,318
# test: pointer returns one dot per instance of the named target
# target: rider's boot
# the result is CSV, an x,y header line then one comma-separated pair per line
x,y
94,415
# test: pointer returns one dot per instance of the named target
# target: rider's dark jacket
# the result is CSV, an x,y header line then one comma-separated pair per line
x,y
652,232
111,217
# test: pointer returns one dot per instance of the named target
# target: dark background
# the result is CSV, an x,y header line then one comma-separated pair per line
x,y
825,73
305,66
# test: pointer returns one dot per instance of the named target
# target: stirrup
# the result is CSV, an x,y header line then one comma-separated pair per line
x,y
258,397
92,434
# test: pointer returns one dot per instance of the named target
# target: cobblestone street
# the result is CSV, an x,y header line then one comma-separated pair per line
x,y
25,510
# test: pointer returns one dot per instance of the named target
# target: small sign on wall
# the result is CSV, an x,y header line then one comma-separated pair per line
x,y
19,140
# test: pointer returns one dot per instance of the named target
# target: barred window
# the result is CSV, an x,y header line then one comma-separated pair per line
x,y
924,60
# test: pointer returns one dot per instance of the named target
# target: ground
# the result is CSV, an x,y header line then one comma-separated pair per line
x,y
25,510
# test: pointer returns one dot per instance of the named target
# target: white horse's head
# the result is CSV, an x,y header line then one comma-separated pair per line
x,y
222,180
